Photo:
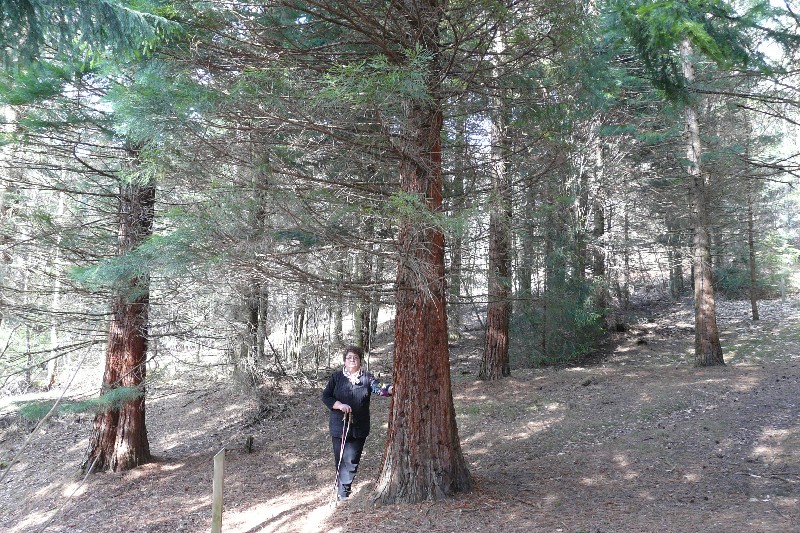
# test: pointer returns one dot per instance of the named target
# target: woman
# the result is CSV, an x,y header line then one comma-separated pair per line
x,y
347,396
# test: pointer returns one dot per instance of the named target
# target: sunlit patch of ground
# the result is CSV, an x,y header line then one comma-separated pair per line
x,y
298,511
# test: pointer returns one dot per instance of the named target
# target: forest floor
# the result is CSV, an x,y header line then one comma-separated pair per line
x,y
637,441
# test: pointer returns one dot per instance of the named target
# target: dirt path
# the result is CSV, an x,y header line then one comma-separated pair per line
x,y
641,442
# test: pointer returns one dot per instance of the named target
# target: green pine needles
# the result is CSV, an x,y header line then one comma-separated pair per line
x,y
113,399
715,29
377,81
123,28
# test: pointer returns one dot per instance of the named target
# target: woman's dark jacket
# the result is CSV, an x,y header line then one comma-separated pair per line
x,y
356,396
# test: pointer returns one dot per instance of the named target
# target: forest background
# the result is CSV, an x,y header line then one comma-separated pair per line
x,y
247,187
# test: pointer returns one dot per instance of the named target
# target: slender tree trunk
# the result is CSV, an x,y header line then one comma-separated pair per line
x,y
254,290
708,350
119,440
423,458
363,308
299,331
252,355
751,246
26,276
251,318
53,362
456,248
338,300
528,252
599,250
581,244
675,260
549,275
555,265
626,258
671,267
263,311
752,249
7,196
26,302
680,279
599,262
375,299
495,363
454,287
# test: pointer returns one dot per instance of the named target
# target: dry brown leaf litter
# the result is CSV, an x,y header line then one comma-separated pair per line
x,y
638,442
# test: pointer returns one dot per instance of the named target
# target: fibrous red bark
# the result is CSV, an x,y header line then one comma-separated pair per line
x,y
119,440
423,459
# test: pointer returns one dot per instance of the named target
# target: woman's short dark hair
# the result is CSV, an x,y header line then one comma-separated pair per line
x,y
354,349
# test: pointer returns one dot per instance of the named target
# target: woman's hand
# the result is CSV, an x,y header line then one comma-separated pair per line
x,y
343,407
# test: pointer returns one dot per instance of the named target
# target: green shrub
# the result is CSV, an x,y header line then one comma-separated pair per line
x,y
734,283
573,326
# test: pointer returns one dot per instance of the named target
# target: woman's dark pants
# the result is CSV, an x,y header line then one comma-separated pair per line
x,y
349,465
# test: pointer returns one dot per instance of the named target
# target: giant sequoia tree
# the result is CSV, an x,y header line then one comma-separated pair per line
x,y
46,63
374,80
119,440
342,90
423,457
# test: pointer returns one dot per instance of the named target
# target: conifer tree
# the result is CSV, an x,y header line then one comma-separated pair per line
x,y
668,36
495,363
43,57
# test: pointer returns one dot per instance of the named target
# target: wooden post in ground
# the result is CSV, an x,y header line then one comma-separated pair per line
x,y
216,503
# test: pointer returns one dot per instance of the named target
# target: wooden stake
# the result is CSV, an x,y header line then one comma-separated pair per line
x,y
216,504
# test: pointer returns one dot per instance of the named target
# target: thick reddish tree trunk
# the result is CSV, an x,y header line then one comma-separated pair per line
x,y
423,459
119,440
